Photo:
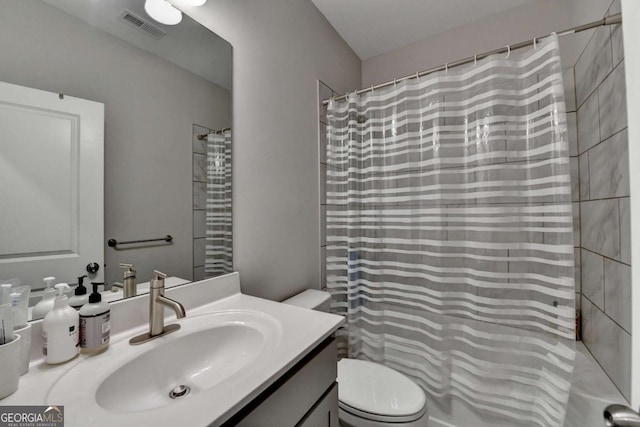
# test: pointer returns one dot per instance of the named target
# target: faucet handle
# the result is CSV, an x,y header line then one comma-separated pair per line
x,y
130,273
159,275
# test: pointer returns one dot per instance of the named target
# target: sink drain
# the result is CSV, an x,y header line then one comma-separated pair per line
x,y
179,391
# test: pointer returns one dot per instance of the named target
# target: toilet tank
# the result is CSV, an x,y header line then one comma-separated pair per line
x,y
312,299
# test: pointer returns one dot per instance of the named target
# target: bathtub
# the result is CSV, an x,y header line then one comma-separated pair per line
x,y
591,392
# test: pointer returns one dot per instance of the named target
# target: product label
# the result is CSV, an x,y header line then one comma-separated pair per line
x,y
95,330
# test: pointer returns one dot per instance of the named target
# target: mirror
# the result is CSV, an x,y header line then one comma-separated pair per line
x,y
156,190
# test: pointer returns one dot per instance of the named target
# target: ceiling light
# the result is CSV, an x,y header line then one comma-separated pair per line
x,y
191,2
163,12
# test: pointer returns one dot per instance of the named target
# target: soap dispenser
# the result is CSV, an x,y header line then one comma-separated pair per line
x,y
95,323
45,305
80,296
60,330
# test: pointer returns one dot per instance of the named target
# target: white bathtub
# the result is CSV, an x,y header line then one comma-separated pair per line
x,y
591,392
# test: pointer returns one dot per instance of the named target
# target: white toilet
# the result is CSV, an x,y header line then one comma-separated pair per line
x,y
370,394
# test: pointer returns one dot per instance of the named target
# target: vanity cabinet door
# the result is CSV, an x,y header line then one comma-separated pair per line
x,y
294,398
325,412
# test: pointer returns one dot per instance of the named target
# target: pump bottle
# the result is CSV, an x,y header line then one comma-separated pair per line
x,y
60,330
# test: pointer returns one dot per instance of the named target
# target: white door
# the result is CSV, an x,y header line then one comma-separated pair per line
x,y
51,185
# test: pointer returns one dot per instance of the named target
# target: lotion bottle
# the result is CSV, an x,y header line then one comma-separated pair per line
x,y
80,296
60,330
45,305
95,323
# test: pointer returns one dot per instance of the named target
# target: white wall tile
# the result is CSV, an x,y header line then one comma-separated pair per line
x,y
575,179
199,167
198,274
576,224
572,133
569,89
199,195
610,345
584,176
323,267
625,230
613,103
199,223
593,277
577,271
323,225
594,64
323,143
609,168
600,227
617,285
588,124
617,42
323,184
198,252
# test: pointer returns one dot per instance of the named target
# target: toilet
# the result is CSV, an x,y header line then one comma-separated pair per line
x,y
370,394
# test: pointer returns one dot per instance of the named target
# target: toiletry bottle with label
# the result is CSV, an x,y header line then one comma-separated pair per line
x,y
95,323
80,296
45,305
60,330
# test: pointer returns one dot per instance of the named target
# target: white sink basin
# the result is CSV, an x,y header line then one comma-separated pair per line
x,y
208,351
199,360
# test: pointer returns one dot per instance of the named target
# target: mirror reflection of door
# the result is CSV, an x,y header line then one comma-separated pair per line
x,y
51,153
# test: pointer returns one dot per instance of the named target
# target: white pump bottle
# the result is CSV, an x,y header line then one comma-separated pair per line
x,y
60,330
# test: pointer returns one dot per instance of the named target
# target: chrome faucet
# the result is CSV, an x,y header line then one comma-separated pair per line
x,y
621,416
129,287
157,301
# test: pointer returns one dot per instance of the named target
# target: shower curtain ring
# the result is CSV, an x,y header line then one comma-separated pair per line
x,y
417,76
446,68
535,43
475,59
508,51
394,83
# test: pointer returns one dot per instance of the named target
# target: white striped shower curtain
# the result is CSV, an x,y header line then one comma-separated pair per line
x,y
450,236
218,248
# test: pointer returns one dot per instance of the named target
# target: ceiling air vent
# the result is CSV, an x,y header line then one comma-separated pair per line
x,y
140,24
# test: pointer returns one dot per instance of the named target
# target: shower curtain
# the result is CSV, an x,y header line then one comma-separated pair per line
x,y
218,248
450,237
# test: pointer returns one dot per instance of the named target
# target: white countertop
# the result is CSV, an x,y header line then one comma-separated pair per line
x,y
301,330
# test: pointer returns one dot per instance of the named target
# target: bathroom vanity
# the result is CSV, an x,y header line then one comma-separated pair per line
x,y
236,360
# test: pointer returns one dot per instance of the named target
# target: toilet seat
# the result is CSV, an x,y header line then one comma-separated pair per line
x,y
373,391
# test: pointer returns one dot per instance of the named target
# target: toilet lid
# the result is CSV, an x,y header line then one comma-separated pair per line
x,y
376,389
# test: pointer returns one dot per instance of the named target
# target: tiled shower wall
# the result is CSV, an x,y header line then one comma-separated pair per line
x,y
605,249
199,200
324,92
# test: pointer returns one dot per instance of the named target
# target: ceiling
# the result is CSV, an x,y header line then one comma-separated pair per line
x,y
373,27
188,44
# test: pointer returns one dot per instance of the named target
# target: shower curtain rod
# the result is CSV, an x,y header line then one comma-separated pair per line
x,y
610,20
202,137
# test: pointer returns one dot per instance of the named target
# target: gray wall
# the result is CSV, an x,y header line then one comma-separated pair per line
x,y
280,49
150,108
530,20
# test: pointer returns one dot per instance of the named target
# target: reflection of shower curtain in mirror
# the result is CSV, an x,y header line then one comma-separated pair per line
x,y
218,249
449,234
